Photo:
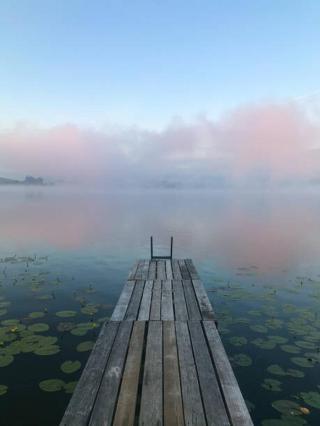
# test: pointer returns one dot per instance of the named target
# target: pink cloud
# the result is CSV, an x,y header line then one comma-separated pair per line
x,y
274,140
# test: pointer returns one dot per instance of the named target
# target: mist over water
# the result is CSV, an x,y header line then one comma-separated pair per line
x,y
255,251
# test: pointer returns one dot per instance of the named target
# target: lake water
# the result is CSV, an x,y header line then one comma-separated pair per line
x,y
65,254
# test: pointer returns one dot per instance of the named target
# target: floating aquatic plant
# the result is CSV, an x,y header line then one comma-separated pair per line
x,y
69,367
291,349
238,341
3,389
38,327
311,398
35,315
66,314
303,362
259,328
287,407
272,385
51,385
5,359
85,346
242,360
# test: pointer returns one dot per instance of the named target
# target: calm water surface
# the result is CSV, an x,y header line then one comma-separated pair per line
x,y
66,253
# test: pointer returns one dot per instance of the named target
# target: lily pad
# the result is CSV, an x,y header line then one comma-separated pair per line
x,y
66,314
52,385
305,345
291,349
264,343
47,350
272,385
38,327
5,359
287,407
3,389
70,387
85,346
242,360
303,362
35,315
259,328
69,367
311,398
89,309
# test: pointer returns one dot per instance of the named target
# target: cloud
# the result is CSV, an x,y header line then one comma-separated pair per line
x,y
268,143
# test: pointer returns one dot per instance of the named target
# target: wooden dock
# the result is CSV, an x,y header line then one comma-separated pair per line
x,y
159,360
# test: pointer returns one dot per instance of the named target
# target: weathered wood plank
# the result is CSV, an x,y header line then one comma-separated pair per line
x,y
238,411
155,312
179,302
126,406
214,406
123,302
104,406
167,313
138,274
192,403
145,306
82,401
169,273
176,270
161,270
172,403
151,408
203,300
191,301
192,270
133,271
145,270
152,275
184,270
134,304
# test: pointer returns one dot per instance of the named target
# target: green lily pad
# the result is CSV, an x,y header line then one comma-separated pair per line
x,y
242,360
3,389
238,341
278,339
47,350
85,346
38,327
89,309
66,314
279,371
259,328
52,385
272,385
69,367
65,326
70,387
35,315
305,345
5,359
311,398
264,343
287,407
82,328
303,362
291,349
10,322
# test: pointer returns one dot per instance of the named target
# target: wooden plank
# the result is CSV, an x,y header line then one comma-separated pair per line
x,y
191,301
161,270
215,409
167,313
192,270
134,304
172,403
169,270
192,403
179,302
126,406
238,411
144,312
152,275
184,270
151,397
145,270
176,270
82,401
203,301
123,302
155,312
133,271
104,406
138,274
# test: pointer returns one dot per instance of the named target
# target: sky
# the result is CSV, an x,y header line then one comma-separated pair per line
x,y
197,85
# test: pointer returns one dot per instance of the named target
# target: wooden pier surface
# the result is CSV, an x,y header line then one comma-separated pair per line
x,y
159,360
